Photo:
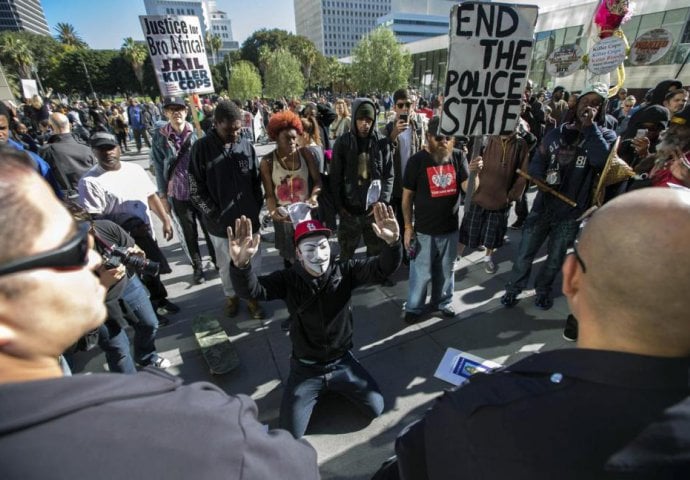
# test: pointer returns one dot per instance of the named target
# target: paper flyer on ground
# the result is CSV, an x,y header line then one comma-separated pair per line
x,y
457,366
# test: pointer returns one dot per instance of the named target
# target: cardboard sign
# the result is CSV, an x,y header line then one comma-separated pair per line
x,y
176,45
564,61
606,55
29,87
650,46
457,366
489,54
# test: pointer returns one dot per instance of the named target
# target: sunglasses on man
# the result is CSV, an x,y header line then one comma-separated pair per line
x,y
74,253
403,104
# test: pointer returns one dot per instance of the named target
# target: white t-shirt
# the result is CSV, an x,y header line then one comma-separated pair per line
x,y
405,147
117,193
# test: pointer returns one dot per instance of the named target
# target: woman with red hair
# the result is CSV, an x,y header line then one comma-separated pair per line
x,y
286,173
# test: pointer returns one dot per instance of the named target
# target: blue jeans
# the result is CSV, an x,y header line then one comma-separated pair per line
x,y
433,263
538,227
307,382
113,340
145,322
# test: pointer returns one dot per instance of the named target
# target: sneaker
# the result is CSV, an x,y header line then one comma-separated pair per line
x,y
166,307
543,301
570,330
490,266
255,310
448,312
509,299
232,306
163,321
517,225
198,276
161,362
411,318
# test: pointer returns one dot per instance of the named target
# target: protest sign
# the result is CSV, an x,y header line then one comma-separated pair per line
x,y
177,50
606,55
29,87
650,46
489,54
564,61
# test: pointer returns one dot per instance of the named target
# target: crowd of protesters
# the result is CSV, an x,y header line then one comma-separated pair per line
x,y
377,170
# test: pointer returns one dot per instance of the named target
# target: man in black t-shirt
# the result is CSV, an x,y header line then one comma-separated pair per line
x,y
431,183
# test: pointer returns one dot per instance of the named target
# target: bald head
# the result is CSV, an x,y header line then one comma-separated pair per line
x,y
60,123
635,289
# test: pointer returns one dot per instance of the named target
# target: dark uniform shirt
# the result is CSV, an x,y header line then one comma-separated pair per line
x,y
555,415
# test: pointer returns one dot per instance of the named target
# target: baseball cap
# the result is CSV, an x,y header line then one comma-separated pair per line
x,y
682,117
174,101
102,139
600,89
310,228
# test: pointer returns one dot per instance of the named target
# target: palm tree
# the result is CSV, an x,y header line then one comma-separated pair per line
x,y
68,36
135,54
213,43
16,52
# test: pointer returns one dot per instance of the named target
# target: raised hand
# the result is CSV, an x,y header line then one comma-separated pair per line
x,y
386,227
243,245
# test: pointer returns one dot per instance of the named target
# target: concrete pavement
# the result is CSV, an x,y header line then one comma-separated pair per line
x,y
401,358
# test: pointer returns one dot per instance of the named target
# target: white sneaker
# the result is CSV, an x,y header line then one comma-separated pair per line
x,y
161,362
489,265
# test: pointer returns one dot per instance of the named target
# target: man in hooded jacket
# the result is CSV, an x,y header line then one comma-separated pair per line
x,y
360,158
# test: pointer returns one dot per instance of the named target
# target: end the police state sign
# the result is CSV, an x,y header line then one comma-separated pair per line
x,y
177,50
489,55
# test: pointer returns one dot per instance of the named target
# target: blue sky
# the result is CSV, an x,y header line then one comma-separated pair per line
x,y
105,23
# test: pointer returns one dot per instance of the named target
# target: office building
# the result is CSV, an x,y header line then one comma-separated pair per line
x,y
23,15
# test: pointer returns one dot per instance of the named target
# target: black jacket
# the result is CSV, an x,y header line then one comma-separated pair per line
x,y
68,158
143,426
321,330
554,415
347,191
225,186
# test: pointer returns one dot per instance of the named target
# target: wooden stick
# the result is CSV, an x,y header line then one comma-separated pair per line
x,y
544,187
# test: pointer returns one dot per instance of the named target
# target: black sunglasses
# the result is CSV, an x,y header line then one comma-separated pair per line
x,y
404,104
73,253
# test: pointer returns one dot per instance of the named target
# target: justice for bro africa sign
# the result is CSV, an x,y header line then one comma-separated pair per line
x,y
179,57
490,49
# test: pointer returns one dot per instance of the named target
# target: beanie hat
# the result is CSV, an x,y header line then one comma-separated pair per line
x,y
365,110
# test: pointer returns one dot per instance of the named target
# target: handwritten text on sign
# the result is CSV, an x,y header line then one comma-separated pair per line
x,y
488,64
177,50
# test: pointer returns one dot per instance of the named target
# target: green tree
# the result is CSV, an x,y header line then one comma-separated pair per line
x,y
135,53
305,51
379,62
245,81
17,55
214,44
272,39
46,53
283,76
68,36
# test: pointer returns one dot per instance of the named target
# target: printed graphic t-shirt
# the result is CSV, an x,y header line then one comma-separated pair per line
x,y
436,190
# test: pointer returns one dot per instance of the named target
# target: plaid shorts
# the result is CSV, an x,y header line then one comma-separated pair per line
x,y
483,227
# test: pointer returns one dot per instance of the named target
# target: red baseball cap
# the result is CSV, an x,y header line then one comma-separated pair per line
x,y
308,228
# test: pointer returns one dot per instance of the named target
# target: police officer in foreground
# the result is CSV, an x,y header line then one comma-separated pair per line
x,y
564,413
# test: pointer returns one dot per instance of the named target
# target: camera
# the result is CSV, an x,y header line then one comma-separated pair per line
x,y
116,256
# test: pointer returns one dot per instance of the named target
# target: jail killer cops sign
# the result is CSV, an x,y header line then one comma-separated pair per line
x,y
177,50
489,53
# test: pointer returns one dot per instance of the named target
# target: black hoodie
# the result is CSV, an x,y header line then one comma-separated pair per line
x,y
350,193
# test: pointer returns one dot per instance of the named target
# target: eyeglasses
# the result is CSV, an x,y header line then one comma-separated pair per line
x,y
403,104
74,253
584,219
